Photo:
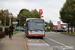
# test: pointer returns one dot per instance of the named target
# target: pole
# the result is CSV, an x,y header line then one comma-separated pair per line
x,y
10,16
9,21
68,27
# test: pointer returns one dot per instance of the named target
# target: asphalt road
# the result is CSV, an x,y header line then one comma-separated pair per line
x,y
60,41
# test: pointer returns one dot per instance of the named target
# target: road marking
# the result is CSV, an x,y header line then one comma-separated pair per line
x,y
59,43
38,44
35,42
45,42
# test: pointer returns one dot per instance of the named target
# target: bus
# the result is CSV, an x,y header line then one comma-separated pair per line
x,y
35,27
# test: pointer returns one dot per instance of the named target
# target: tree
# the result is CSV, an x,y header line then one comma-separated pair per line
x,y
3,15
51,24
25,13
35,13
67,12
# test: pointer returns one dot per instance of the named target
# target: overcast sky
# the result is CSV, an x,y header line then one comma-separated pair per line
x,y
50,8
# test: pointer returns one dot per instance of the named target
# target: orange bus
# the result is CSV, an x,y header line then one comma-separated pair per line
x,y
35,27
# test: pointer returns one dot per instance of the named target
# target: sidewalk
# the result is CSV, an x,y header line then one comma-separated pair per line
x,y
17,42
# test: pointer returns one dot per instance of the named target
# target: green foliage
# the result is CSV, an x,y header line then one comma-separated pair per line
x,y
68,33
48,29
25,13
15,32
3,15
67,12
52,29
51,24
46,24
35,14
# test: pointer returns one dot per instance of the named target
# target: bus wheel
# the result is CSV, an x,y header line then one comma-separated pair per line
x,y
26,36
41,37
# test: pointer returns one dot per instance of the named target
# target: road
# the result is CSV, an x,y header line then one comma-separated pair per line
x,y
60,40
52,39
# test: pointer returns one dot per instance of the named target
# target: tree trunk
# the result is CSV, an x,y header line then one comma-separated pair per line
x,y
71,29
68,27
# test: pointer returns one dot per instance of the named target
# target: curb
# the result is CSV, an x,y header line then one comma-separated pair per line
x,y
26,43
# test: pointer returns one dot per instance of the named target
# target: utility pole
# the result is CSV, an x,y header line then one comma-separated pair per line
x,y
10,16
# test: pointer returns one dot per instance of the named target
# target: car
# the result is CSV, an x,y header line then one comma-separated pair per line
x,y
20,29
60,30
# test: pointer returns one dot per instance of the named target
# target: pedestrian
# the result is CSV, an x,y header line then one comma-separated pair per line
x,y
11,28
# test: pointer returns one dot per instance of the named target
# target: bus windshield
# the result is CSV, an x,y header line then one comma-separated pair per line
x,y
36,26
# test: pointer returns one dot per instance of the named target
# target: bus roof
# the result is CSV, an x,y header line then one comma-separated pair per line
x,y
32,18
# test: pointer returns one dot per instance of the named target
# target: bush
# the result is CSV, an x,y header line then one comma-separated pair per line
x,y
2,34
6,31
48,29
52,29
0,29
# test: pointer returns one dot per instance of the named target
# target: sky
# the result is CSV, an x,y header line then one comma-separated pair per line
x,y
50,8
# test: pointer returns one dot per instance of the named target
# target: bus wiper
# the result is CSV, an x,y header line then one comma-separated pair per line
x,y
39,29
31,30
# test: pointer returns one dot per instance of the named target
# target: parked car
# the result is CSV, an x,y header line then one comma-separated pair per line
x,y
20,29
60,30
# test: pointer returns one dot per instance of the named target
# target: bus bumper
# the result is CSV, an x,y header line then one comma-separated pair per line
x,y
36,35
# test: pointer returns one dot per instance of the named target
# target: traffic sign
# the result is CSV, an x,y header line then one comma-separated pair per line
x,y
59,24
41,16
10,14
40,11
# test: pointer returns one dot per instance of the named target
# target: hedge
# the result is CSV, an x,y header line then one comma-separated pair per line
x,y
2,34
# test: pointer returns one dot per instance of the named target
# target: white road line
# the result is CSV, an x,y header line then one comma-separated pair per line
x,y
37,44
45,42
58,42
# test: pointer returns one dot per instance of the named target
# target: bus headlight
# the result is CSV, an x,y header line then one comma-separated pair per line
x,y
43,32
28,32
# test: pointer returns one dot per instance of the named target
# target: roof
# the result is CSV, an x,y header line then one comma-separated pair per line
x,y
32,18
56,26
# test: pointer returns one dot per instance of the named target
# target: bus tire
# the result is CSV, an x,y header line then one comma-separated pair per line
x,y
41,37
27,36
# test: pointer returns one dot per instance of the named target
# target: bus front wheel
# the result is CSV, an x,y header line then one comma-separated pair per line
x,y
41,37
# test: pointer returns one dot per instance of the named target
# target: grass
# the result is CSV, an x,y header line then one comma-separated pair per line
x,y
15,32
5,26
68,33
